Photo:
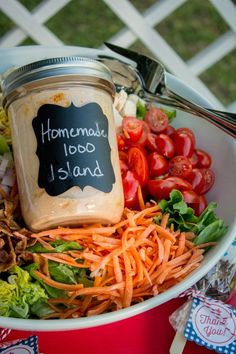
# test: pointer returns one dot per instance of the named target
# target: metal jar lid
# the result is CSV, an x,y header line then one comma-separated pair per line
x,y
54,67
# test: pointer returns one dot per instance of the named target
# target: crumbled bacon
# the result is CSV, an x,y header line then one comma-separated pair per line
x,y
7,254
14,240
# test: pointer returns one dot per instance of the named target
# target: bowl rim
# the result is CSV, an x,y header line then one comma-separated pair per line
x,y
9,58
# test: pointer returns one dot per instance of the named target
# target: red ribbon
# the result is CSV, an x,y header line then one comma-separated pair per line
x,y
4,332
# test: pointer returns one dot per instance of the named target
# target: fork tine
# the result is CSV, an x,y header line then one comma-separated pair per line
x,y
142,61
130,54
148,69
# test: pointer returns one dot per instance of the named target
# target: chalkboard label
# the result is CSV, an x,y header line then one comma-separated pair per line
x,y
73,148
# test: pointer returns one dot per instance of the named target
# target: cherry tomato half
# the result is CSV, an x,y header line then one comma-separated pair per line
x,y
209,179
180,183
151,144
137,162
169,130
130,187
158,165
132,128
156,119
123,167
143,139
188,132
123,155
165,145
204,159
180,166
160,188
194,159
120,141
201,206
184,142
197,180
190,197
197,202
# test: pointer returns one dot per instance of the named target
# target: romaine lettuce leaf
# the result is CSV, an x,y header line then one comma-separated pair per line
x,y
207,227
59,247
68,274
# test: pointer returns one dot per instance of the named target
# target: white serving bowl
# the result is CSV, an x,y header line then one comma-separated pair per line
x,y
221,147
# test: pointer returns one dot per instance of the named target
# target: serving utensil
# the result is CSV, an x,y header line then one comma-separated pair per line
x,y
147,77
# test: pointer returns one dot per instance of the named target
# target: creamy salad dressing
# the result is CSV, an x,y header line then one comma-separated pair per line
x,y
75,205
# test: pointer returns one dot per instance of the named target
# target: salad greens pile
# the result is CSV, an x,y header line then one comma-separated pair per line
x,y
20,295
207,227
23,295
61,273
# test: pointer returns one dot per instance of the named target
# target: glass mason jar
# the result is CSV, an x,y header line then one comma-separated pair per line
x,y
64,142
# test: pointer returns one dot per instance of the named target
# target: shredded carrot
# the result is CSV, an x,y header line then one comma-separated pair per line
x,y
190,235
71,231
140,199
128,262
139,266
45,268
181,245
97,289
128,281
64,301
164,220
69,312
44,243
207,244
85,304
167,246
117,269
100,308
165,233
57,258
57,285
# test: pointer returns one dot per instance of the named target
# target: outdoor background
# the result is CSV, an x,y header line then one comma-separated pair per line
x,y
189,29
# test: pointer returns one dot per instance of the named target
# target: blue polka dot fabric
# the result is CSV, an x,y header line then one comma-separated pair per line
x,y
212,326
24,346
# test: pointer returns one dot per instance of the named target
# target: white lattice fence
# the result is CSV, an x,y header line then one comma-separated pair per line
x,y
138,26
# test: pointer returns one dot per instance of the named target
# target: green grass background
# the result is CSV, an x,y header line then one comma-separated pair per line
x,y
188,30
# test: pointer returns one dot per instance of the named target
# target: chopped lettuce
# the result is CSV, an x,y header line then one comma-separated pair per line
x,y
140,109
59,247
69,274
63,274
19,293
3,145
41,308
52,292
207,227
170,114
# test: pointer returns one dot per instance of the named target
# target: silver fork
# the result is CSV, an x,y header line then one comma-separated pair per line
x,y
125,77
152,76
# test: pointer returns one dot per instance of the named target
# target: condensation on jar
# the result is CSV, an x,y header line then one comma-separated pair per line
x,y
64,142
